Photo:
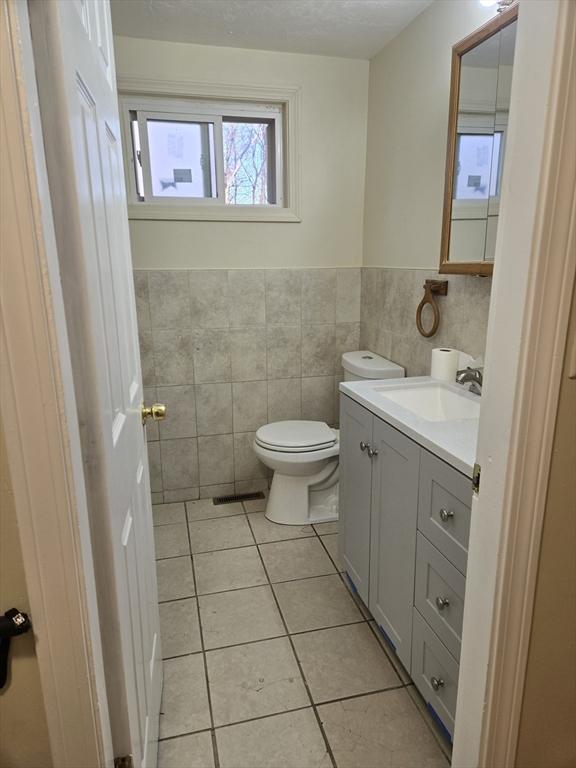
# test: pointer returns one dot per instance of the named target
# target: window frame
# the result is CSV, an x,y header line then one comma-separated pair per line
x,y
204,100
145,115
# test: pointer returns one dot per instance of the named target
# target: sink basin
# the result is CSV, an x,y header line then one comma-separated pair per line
x,y
433,401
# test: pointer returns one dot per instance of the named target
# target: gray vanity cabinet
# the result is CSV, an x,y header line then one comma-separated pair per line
x,y
395,471
355,493
405,523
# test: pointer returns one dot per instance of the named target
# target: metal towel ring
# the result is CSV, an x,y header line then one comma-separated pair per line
x,y
431,287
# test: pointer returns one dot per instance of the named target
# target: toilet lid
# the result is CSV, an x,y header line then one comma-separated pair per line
x,y
296,435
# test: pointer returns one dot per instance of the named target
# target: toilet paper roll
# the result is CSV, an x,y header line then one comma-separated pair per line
x,y
444,364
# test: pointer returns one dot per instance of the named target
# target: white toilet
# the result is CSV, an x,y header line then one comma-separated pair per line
x,y
304,454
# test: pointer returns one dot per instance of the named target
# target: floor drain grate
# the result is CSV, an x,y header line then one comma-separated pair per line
x,y
237,497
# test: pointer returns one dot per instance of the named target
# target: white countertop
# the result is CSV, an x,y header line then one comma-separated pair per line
x,y
453,441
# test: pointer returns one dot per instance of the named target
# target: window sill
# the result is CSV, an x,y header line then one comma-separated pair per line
x,y
159,212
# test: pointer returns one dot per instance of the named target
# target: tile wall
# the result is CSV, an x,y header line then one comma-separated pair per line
x,y
389,301
228,351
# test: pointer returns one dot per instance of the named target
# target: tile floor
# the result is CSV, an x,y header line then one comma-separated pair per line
x,y
269,660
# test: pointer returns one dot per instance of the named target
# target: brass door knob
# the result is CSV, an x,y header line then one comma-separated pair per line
x,y
156,411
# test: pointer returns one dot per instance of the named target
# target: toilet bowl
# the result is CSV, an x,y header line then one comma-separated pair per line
x,y
304,457
304,454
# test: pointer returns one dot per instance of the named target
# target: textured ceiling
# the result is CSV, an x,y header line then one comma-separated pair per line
x,y
349,28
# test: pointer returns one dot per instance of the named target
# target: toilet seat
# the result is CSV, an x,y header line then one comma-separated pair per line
x,y
296,436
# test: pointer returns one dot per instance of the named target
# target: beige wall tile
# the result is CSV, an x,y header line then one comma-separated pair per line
x,y
248,354
247,295
180,418
179,463
209,300
319,296
169,299
318,349
216,459
214,408
173,356
283,301
212,356
250,404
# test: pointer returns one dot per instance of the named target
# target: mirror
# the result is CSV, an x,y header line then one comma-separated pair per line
x,y
478,122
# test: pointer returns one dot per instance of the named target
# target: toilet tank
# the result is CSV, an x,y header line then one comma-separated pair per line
x,y
368,365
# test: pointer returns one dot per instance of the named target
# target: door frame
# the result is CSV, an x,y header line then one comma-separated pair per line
x,y
44,448
39,418
528,324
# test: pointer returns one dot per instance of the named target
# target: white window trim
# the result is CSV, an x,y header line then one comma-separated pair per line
x,y
134,90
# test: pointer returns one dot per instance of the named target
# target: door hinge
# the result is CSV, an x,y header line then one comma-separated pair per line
x,y
476,478
124,762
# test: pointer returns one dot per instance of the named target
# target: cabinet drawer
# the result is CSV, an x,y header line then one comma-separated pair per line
x,y
439,594
434,671
445,496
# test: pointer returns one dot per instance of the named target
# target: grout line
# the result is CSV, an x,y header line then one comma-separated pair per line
x,y
177,599
224,549
246,642
327,552
173,557
181,655
215,749
278,637
361,620
251,586
187,733
361,695
217,517
287,711
201,631
261,717
306,686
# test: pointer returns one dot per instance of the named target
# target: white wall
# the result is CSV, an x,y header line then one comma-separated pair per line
x,y
333,144
407,127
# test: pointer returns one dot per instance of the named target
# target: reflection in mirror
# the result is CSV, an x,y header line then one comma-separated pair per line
x,y
479,122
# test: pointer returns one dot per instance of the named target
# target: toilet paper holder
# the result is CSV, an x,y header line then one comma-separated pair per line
x,y
431,288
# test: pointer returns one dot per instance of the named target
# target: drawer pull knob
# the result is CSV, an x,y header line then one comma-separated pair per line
x,y
437,683
446,514
442,602
372,452
363,446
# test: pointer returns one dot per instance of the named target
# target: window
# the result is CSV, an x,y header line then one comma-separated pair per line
x,y
203,159
478,166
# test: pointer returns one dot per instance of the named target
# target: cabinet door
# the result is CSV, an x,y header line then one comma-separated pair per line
x,y
395,471
435,672
439,594
444,508
355,493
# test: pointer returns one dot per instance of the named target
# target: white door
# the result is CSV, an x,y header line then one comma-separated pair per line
x,y
77,85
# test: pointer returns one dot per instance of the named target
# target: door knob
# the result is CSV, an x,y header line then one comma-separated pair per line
x,y
156,412
437,683
442,602
372,452
363,445
446,514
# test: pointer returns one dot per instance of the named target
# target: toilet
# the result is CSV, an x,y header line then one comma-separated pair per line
x,y
304,454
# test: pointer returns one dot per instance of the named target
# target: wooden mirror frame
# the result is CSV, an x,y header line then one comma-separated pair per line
x,y
504,19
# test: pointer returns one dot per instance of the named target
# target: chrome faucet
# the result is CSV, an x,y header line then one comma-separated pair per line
x,y
473,376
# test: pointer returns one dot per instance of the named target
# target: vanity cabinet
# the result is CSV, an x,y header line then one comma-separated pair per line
x,y
405,523
393,514
355,494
